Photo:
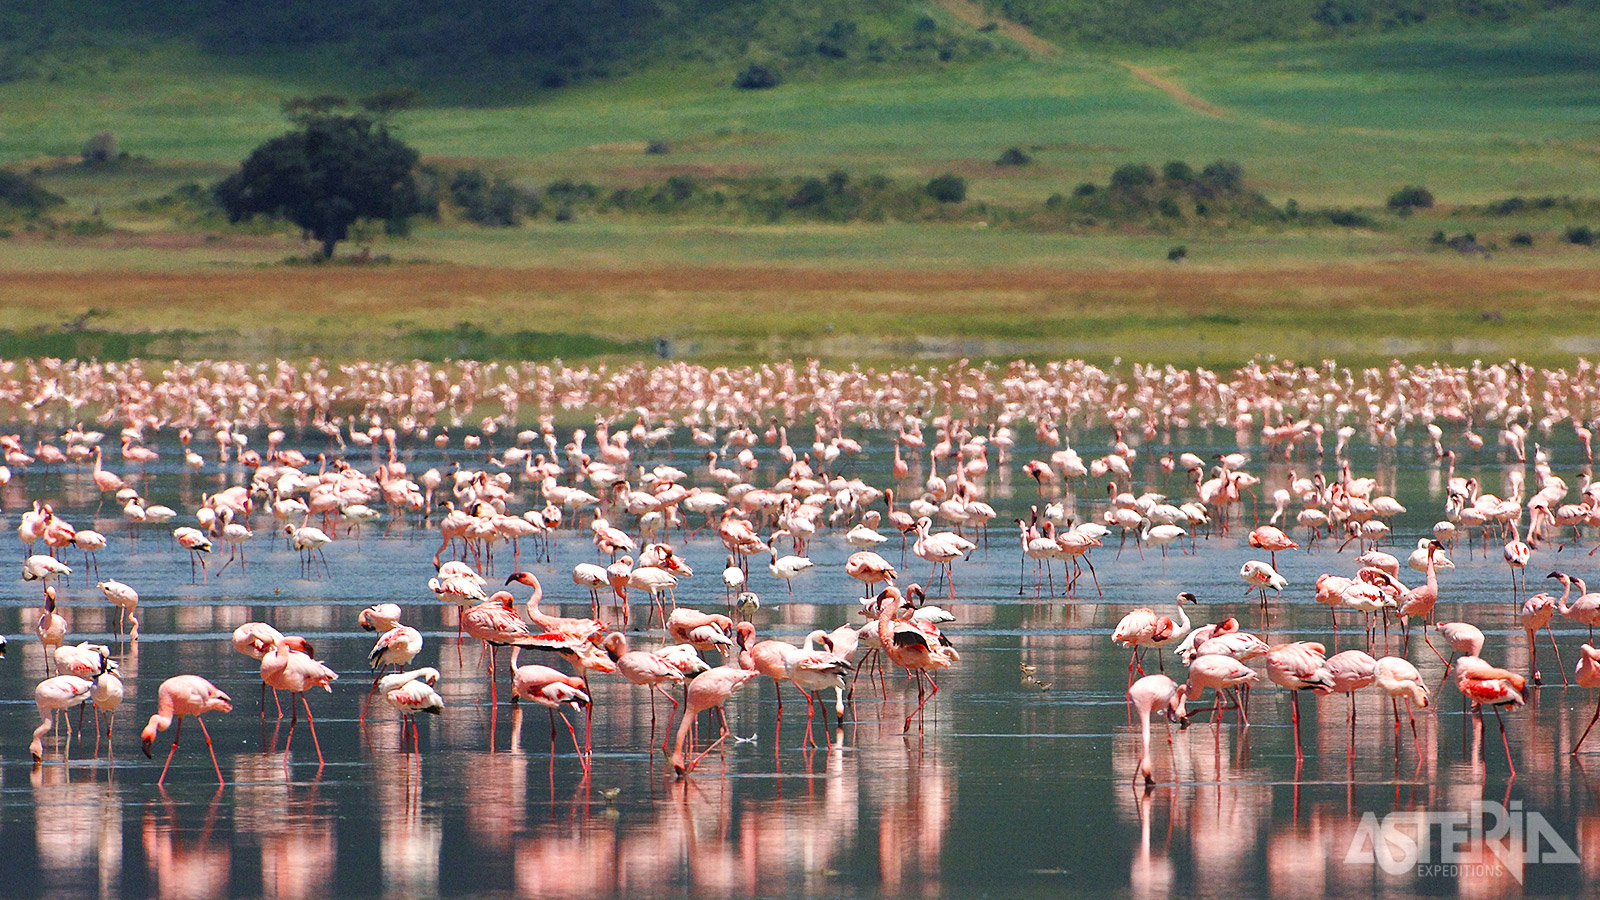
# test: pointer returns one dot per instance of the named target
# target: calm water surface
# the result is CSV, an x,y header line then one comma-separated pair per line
x,y
1013,790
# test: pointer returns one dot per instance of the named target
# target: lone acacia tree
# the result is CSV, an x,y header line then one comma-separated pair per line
x,y
323,177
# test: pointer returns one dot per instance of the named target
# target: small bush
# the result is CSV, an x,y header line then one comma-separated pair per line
x,y
25,194
1014,156
948,189
1581,234
1133,175
1346,218
1178,171
1178,253
1522,239
756,77
1086,189
657,148
1410,197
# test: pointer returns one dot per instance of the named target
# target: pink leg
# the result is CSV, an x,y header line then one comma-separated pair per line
x,y
177,732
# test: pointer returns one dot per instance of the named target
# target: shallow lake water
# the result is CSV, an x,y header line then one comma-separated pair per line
x,y
1014,787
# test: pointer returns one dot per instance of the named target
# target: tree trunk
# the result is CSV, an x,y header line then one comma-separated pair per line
x,y
327,247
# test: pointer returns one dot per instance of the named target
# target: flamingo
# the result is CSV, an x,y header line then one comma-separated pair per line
x,y
1299,666
44,569
52,628
1352,670
1516,554
709,690
1148,694
1537,612
1401,681
379,617
1587,675
126,600
941,549
552,689
1586,609
651,670
285,668
913,647
790,567
1260,576
179,696
410,693
52,695
1271,539
869,568
1221,673
1482,683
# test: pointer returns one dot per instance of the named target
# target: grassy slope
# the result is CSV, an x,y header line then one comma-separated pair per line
x,y
1475,116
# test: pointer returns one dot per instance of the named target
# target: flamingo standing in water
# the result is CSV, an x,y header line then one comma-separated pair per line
x,y
285,668
710,690
127,601
1148,694
412,692
551,689
1588,675
1401,681
179,696
918,648
1482,683
1299,666
54,695
1537,612
1271,539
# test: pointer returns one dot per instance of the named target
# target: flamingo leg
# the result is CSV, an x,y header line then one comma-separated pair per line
x,y
1294,703
1504,741
312,724
1586,730
177,732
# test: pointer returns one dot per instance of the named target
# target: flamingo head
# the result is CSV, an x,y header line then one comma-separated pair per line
x,y
526,578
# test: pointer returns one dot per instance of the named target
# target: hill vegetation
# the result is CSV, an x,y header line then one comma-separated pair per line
x,y
490,50
1178,23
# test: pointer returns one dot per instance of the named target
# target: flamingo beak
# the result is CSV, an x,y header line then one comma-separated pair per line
x,y
147,742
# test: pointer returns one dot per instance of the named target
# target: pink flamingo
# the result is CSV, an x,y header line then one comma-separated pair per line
x,y
1537,612
708,691
1482,683
412,692
1271,539
285,668
1401,681
1221,674
53,695
1299,666
913,647
651,670
551,689
179,696
1588,675
1148,694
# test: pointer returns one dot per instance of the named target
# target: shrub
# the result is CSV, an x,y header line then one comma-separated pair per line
x,y
756,77
1580,234
1086,189
1133,175
1177,171
1223,175
1177,253
25,194
657,148
1410,197
1013,156
948,188
1522,239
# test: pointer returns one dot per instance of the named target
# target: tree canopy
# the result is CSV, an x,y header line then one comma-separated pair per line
x,y
331,172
